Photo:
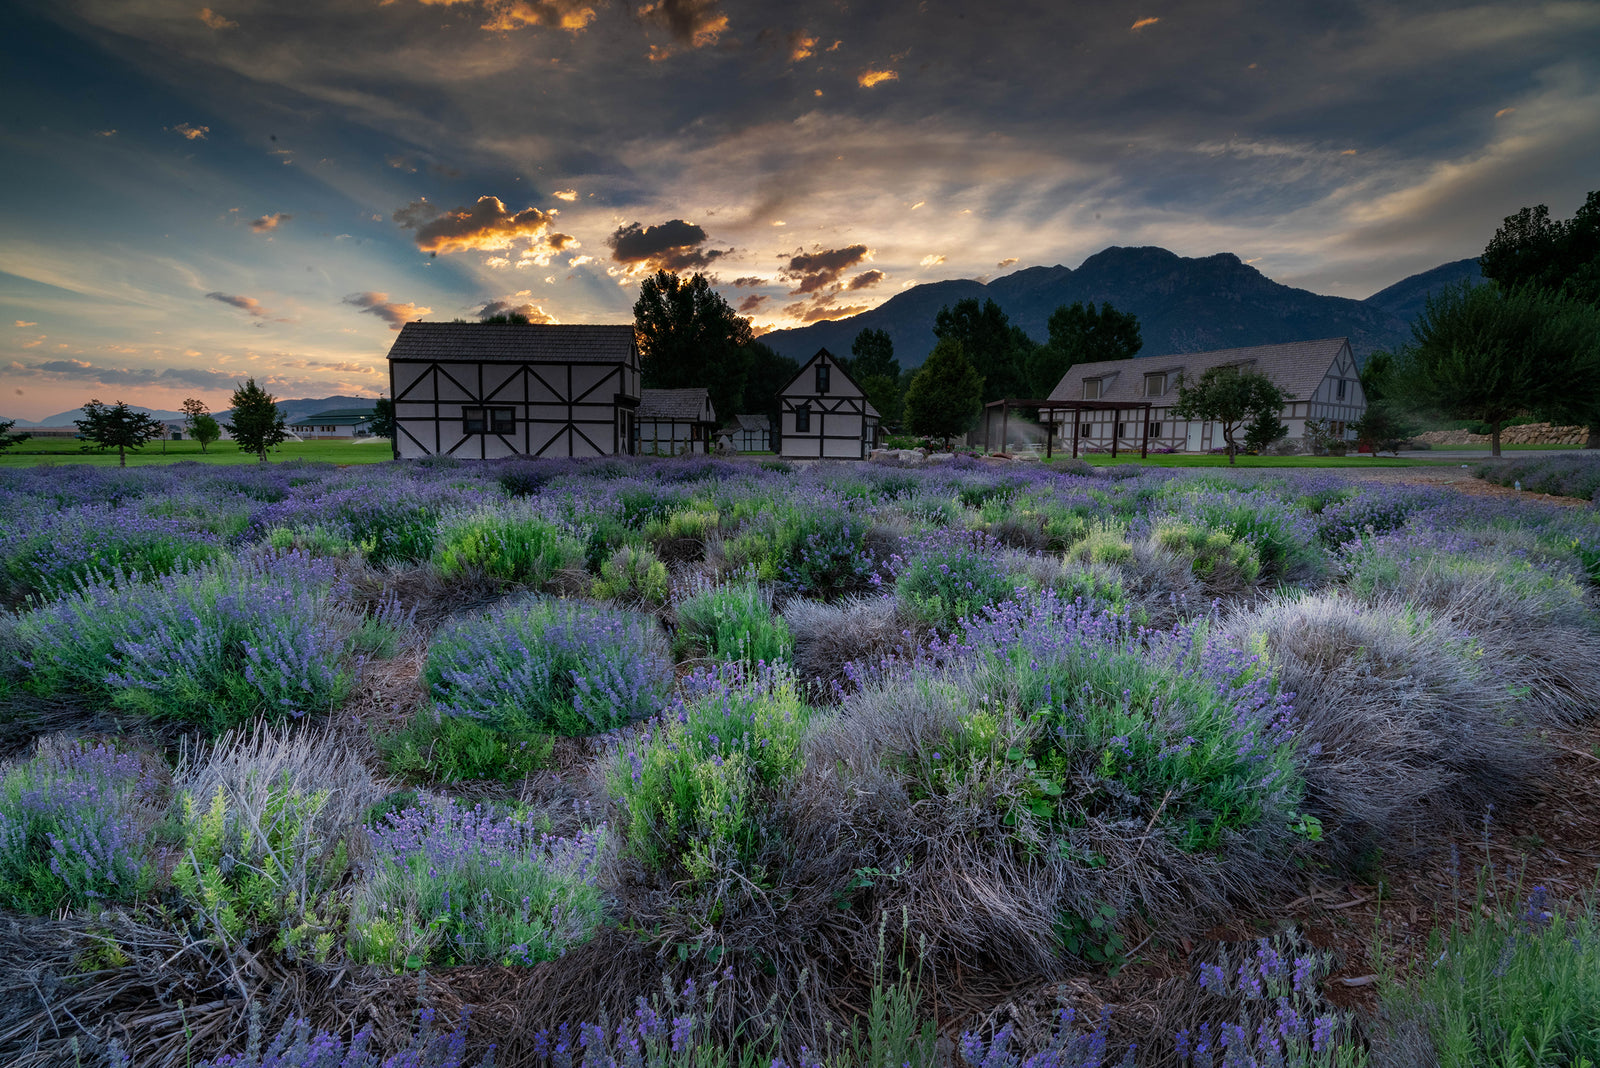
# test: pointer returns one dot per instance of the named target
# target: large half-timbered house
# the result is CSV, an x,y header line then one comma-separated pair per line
x,y
1320,378
490,390
826,415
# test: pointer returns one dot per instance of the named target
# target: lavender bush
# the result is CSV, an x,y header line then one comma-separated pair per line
x,y
294,1046
507,543
1067,1048
731,621
950,576
268,633
542,665
455,885
68,547
77,826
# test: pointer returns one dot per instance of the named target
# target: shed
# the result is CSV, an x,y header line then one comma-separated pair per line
x,y
489,390
336,423
752,433
674,421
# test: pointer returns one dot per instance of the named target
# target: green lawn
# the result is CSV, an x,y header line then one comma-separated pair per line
x,y
1187,460
53,451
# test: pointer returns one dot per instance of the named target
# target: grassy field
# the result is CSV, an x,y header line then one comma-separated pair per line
x,y
49,452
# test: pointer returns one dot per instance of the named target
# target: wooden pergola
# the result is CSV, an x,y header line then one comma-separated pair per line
x,y
1052,406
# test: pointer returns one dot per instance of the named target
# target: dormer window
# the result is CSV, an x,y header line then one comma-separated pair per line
x,y
1155,385
822,376
1091,389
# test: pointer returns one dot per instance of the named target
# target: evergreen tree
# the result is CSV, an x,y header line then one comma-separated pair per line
x,y
998,351
257,424
766,373
7,438
875,369
946,395
117,426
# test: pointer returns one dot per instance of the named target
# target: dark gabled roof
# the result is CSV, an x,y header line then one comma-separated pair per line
x,y
871,411
1296,367
754,422
337,417
683,405
544,342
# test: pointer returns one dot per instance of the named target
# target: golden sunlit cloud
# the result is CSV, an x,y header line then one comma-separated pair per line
x,y
23,323
819,311
579,261
835,46
568,195
1142,23
1348,152
779,222
932,260
509,306
674,245
503,16
269,222
247,304
801,47
812,271
868,78
191,133
216,21
105,133
486,226
1503,112
1009,261
696,23
396,315
918,204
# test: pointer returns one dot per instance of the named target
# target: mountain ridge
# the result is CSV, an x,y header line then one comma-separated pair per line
x,y
1184,304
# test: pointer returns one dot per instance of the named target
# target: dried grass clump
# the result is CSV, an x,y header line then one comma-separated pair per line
x,y
1405,732
829,636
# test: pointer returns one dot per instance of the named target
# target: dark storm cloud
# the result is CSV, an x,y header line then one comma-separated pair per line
x,y
674,245
379,304
811,271
248,304
865,280
753,303
692,22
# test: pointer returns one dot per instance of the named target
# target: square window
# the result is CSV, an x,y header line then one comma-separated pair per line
x,y
1155,385
472,420
502,420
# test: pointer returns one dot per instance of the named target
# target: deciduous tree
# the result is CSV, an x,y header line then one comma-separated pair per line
x,y
257,424
200,423
690,336
1231,397
1080,333
945,396
382,423
998,351
1491,354
117,426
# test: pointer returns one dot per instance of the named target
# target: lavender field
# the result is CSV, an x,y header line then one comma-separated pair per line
x,y
702,763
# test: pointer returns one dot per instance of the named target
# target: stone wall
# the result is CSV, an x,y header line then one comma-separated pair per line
x,y
1529,434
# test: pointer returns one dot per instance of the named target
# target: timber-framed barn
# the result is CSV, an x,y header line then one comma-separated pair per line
x,y
484,391
826,415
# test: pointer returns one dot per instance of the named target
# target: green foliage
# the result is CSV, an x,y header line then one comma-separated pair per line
x,y
117,426
257,424
1263,432
631,576
940,587
1515,988
446,749
998,351
1263,522
1213,555
1082,334
254,874
877,372
732,622
1376,371
1106,542
7,438
689,336
382,424
819,553
946,395
1231,396
1384,428
1479,352
512,547
695,787
1558,257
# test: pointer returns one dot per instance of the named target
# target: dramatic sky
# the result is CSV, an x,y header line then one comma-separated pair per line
x,y
271,187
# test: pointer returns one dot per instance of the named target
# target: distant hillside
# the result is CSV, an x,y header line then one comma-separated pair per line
x,y
1406,298
292,410
1183,304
